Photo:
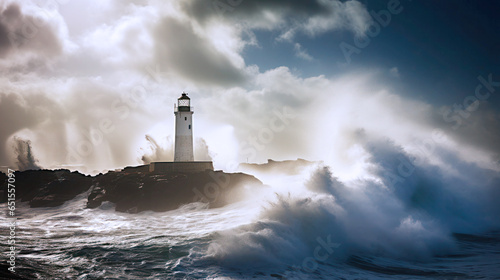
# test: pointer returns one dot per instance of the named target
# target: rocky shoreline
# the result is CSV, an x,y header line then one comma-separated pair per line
x,y
131,192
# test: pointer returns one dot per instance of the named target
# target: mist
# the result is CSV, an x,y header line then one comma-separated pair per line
x,y
403,208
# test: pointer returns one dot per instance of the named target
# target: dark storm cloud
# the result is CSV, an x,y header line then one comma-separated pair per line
x,y
179,49
23,32
4,40
11,13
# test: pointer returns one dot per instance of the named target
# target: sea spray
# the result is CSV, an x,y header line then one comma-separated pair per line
x,y
413,218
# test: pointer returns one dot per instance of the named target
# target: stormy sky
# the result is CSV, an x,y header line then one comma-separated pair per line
x,y
90,85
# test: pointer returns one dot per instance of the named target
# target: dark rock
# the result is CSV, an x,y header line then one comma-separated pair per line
x,y
3,189
130,191
6,274
162,192
48,188
139,168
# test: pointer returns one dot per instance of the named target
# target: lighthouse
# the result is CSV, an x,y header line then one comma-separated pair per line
x,y
183,129
183,153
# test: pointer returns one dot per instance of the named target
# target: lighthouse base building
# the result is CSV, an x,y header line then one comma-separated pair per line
x,y
183,153
188,167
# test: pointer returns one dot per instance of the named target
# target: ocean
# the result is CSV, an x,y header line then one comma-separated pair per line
x,y
304,226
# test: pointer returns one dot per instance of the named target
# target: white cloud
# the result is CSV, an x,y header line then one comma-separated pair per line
x,y
288,17
301,53
350,15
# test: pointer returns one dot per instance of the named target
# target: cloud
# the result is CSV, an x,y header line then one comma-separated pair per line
x,y
289,17
19,32
180,50
301,53
29,36
260,13
349,15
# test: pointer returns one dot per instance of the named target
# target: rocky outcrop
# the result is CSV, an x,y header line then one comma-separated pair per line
x,y
131,191
138,192
47,188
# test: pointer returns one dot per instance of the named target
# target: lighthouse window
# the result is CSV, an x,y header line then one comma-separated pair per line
x,y
185,118
189,126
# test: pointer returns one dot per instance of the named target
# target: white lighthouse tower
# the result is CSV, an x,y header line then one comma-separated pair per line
x,y
183,129
183,154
